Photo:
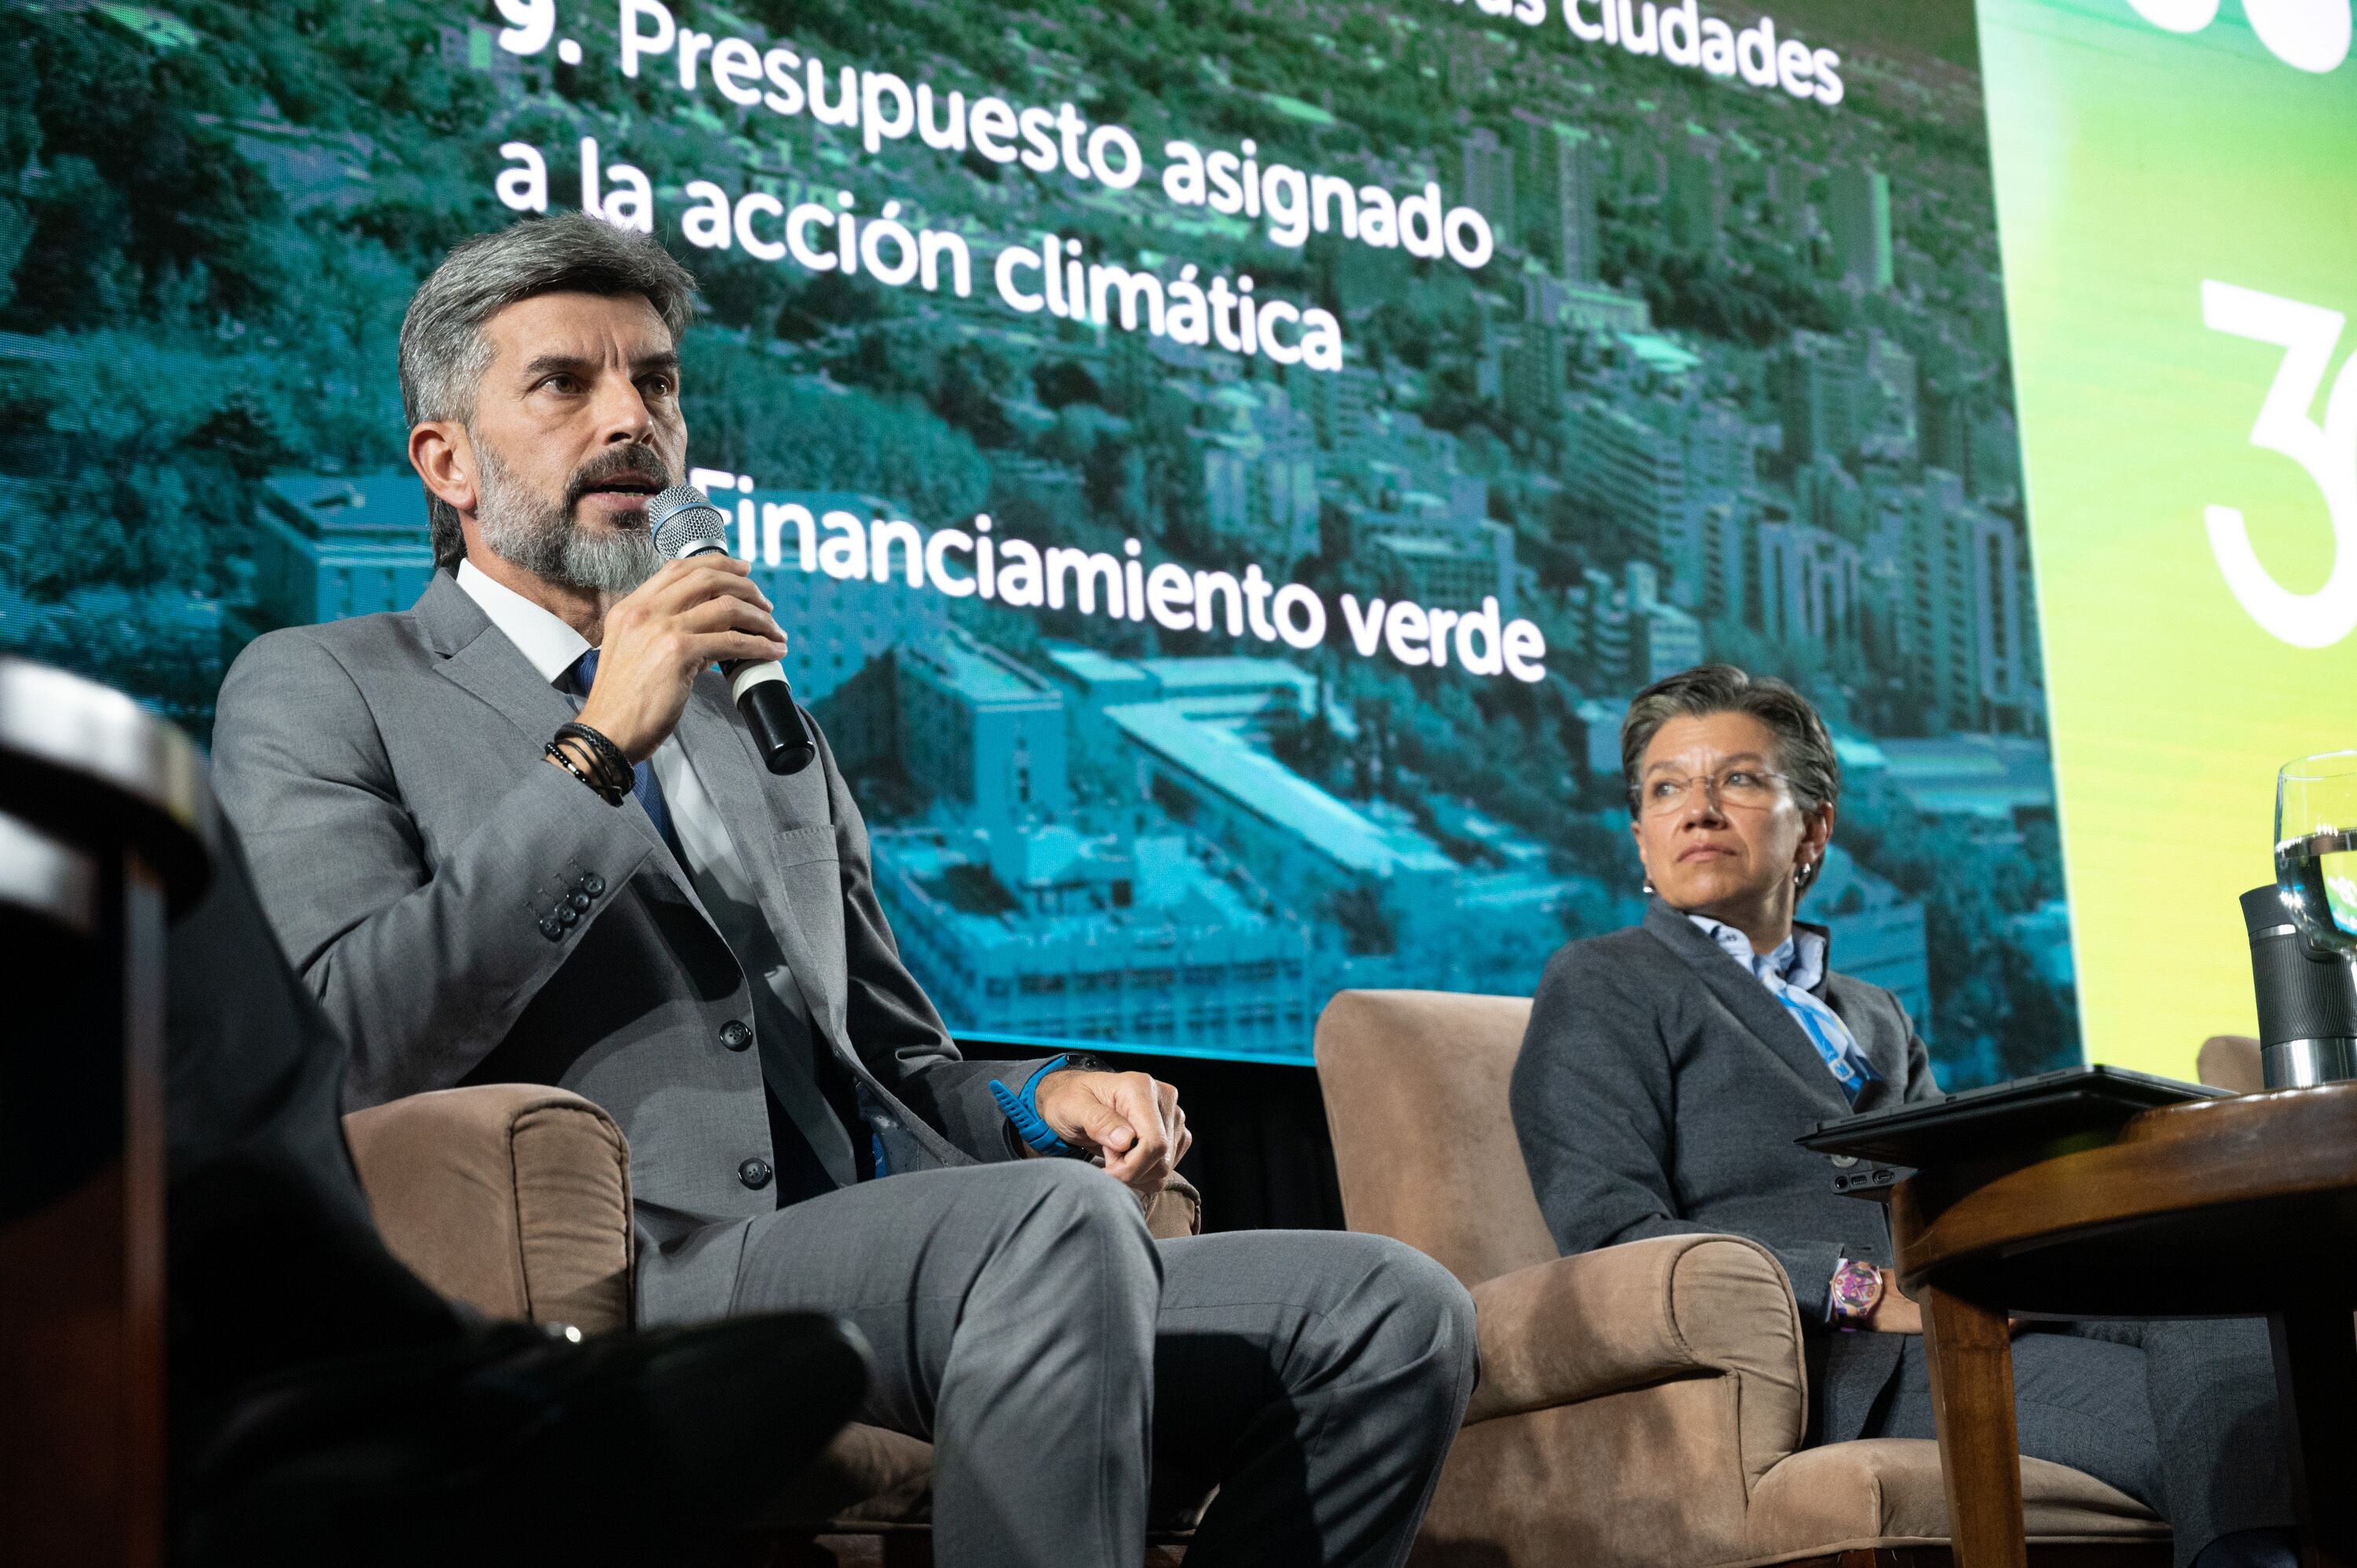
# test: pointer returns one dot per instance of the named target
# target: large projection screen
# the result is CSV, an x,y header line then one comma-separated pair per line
x,y
1224,467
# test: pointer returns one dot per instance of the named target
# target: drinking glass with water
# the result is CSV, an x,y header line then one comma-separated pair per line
x,y
2316,846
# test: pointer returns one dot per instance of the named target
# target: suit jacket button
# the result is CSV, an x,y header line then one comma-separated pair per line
x,y
754,1173
566,915
592,884
735,1035
550,929
580,901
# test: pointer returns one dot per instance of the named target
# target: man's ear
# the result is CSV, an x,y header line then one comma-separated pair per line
x,y
444,457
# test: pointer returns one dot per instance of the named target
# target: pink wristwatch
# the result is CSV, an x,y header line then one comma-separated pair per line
x,y
1856,1291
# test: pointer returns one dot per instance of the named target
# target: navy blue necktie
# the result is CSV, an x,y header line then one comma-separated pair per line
x,y
578,680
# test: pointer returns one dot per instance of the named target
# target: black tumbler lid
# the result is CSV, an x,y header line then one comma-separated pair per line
x,y
2263,911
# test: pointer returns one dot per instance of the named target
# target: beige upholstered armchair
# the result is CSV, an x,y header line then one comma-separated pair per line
x,y
1641,1406
2232,1062
515,1199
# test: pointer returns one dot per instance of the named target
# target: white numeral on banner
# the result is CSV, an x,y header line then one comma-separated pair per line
x,y
2307,334
2313,34
530,24
2310,34
2178,16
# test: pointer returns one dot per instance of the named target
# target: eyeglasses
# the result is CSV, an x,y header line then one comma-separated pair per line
x,y
1737,789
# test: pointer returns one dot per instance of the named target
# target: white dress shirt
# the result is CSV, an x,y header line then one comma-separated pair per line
x,y
780,1017
554,648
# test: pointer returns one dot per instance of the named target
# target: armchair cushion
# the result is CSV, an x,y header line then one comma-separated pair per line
x,y
513,1198
1415,1084
1643,1313
1881,1489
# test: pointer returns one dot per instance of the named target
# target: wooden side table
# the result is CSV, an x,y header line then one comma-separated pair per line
x,y
2238,1208
106,827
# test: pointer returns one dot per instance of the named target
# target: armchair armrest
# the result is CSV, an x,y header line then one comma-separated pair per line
x,y
1642,1313
1174,1212
511,1198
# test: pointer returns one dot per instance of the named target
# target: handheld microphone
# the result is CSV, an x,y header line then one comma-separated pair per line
x,y
685,522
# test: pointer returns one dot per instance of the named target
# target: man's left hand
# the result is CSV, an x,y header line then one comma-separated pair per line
x,y
1132,1118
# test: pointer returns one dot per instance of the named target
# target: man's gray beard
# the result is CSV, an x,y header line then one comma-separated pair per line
x,y
541,537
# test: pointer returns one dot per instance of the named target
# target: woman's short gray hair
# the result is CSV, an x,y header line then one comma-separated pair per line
x,y
1804,750
443,350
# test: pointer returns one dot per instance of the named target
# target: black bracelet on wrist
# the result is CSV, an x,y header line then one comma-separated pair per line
x,y
613,766
563,759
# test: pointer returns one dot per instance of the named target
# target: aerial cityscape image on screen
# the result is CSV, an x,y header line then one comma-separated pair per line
x,y
1224,465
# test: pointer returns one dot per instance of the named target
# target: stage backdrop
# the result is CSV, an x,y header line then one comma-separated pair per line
x,y
1224,466
2178,186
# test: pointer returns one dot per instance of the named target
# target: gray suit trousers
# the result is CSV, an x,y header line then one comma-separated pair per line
x,y
1055,1355
2181,1415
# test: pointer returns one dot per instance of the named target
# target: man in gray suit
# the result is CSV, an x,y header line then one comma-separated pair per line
x,y
634,909
1669,1067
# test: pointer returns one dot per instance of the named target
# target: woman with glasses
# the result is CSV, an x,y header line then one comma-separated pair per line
x,y
1669,1067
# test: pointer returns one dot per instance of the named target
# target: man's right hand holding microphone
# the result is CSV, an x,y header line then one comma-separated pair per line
x,y
655,641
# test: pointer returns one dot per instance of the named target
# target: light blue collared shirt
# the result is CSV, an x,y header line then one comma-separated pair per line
x,y
1791,974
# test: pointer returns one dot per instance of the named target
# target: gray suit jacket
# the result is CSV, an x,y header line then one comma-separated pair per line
x,y
1658,1093
412,848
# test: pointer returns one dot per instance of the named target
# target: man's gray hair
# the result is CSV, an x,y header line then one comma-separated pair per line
x,y
444,353
1804,750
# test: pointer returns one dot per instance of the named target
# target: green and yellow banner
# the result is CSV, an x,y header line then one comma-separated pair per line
x,y
2177,194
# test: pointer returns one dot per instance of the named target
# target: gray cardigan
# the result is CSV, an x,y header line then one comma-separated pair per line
x,y
1658,1090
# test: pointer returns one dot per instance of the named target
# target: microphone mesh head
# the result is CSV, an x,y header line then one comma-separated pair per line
x,y
685,522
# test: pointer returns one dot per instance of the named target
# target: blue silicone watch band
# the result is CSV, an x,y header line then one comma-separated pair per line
x,y
1022,1110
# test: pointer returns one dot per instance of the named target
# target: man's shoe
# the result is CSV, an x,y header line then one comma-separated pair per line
x,y
516,1446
